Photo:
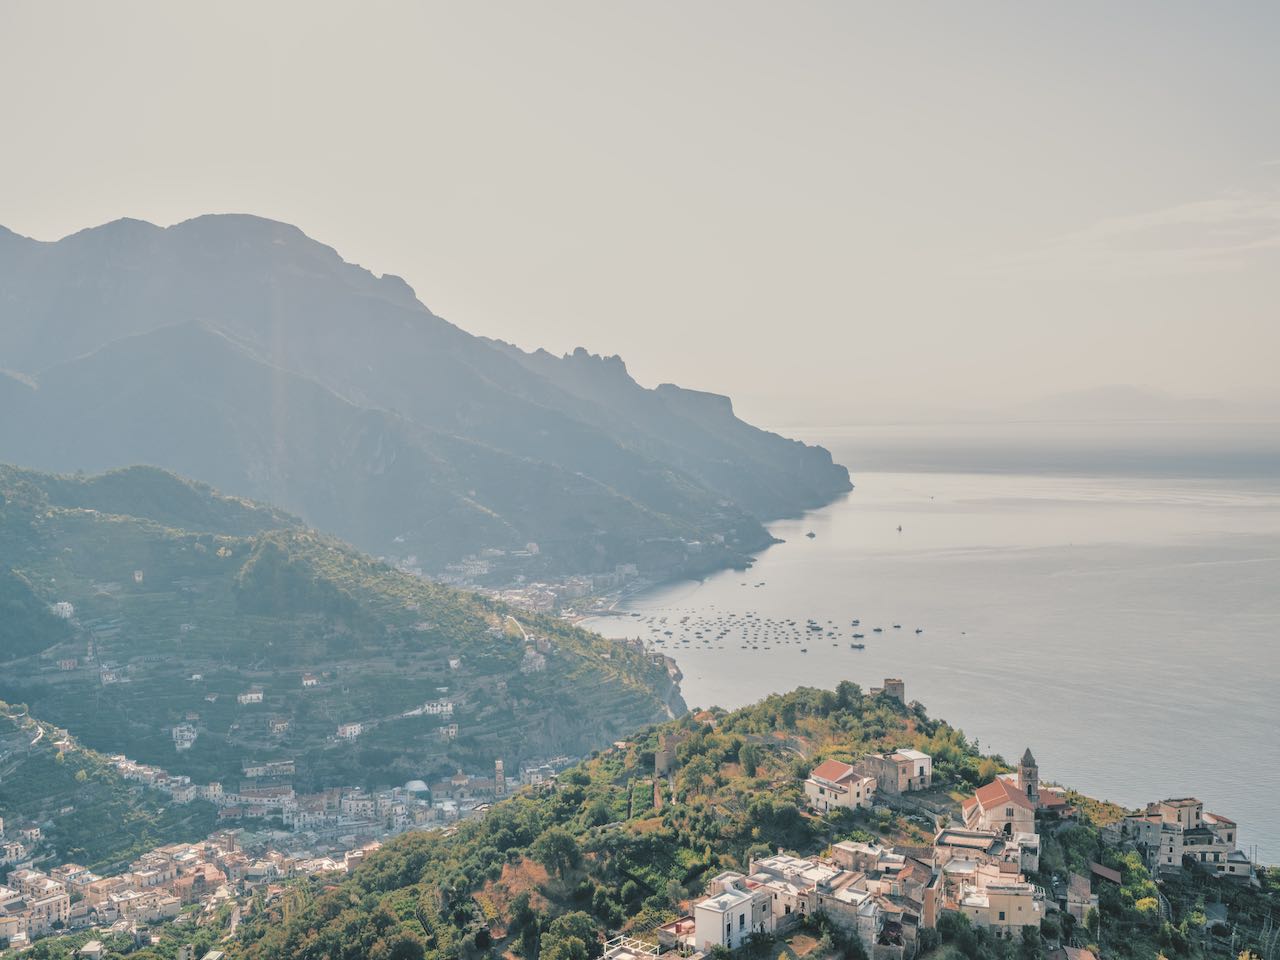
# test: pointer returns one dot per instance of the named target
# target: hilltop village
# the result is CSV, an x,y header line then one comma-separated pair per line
x,y
920,855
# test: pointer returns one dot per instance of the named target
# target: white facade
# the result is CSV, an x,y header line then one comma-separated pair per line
x,y
732,912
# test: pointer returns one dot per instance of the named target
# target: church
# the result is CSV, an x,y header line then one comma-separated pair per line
x,y
1009,803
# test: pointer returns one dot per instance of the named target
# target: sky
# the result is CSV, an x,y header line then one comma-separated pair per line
x,y
832,212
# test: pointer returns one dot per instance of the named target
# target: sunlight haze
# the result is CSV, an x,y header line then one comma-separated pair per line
x,y
830,212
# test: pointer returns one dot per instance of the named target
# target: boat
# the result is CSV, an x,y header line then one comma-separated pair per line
x,y
858,636
897,626
810,534
877,630
804,649
857,646
919,629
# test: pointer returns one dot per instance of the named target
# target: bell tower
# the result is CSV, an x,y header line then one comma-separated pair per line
x,y
1029,777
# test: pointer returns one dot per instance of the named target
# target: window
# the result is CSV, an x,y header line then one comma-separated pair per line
x,y
742,921
1002,915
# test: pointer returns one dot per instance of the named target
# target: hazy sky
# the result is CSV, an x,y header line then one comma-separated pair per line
x,y
829,211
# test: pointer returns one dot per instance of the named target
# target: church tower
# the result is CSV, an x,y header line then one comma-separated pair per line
x,y
1029,777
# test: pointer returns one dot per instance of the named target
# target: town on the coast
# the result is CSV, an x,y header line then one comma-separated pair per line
x,y
982,851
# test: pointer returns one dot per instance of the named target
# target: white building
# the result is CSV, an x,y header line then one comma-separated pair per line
x,y
733,911
349,731
184,735
833,784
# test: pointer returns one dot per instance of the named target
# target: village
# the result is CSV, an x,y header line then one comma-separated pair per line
x,y
271,834
884,894
977,865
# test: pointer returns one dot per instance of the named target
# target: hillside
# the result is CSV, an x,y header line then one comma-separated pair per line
x,y
88,813
241,352
593,855
183,599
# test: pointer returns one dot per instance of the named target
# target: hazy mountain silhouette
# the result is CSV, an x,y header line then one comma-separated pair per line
x,y
240,352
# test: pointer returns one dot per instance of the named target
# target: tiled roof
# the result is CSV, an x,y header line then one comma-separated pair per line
x,y
1000,791
832,770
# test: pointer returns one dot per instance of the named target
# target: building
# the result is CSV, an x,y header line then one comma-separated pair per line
x,y
350,731
1000,807
253,695
734,909
1176,832
184,736
1003,906
1080,898
899,772
893,687
834,785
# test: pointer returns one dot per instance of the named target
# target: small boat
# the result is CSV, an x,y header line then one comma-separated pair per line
x,y
858,636
919,630
877,630
810,534
804,649
897,626
857,646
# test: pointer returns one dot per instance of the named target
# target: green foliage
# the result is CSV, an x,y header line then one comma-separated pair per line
x,y
242,595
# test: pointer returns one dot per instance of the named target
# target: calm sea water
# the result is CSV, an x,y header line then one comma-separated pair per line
x,y
1115,606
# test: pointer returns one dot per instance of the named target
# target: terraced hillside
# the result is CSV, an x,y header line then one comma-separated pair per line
x,y
88,813
183,600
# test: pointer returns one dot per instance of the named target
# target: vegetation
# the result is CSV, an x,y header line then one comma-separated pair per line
x,y
194,598
549,873
588,851
89,813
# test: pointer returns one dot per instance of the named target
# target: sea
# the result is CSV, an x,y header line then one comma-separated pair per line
x,y
1105,594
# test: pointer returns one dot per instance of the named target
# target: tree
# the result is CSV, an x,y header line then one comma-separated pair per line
x,y
1030,948
749,757
570,948
574,925
1092,921
556,850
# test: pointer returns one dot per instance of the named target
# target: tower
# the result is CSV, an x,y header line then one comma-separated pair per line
x,y
499,779
1029,777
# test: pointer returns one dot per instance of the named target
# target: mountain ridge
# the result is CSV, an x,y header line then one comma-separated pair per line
x,y
667,465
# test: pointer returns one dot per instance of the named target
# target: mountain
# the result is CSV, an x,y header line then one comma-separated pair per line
x,y
239,351
183,599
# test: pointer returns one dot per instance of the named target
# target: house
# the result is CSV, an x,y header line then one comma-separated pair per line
x,y
310,680
1175,832
835,785
1004,906
253,695
184,736
733,911
899,772
1072,953
350,731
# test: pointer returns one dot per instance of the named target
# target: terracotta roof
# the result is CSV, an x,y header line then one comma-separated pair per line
x,y
1000,791
832,771
1052,798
